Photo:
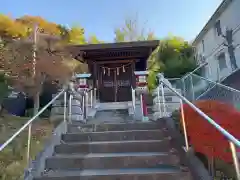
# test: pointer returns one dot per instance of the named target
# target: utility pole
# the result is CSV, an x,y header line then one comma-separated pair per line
x,y
34,49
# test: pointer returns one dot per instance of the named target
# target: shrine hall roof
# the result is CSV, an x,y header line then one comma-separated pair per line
x,y
112,51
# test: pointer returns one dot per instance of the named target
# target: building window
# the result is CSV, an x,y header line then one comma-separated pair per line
x,y
218,28
222,61
203,46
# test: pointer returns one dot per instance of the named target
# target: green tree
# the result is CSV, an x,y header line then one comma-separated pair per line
x,y
174,57
64,32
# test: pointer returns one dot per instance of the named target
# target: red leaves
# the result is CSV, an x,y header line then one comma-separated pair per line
x,y
203,136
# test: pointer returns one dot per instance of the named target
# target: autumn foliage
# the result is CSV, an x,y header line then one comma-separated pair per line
x,y
32,52
203,136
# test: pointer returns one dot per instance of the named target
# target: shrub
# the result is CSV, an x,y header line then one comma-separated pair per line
x,y
203,136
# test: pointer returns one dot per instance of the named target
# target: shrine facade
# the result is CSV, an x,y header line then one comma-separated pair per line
x,y
112,66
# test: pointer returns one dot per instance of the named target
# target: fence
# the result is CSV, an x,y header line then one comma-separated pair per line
x,y
195,87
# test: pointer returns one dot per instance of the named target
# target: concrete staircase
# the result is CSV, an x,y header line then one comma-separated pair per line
x,y
123,151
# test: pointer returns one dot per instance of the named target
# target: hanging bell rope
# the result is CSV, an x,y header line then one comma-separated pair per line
x,y
104,70
117,71
123,68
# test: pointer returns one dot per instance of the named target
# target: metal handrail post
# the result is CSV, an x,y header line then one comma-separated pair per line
x,y
161,78
163,100
85,104
91,98
192,87
133,99
70,108
235,158
159,102
65,111
184,126
141,105
183,86
95,96
29,143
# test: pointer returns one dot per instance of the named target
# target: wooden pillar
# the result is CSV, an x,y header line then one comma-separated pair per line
x,y
133,75
99,78
95,77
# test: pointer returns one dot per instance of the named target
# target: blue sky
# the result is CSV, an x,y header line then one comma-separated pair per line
x,y
184,18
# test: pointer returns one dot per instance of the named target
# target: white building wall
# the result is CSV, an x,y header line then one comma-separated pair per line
x,y
213,44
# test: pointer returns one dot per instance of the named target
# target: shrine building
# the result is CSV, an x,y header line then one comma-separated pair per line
x,y
112,66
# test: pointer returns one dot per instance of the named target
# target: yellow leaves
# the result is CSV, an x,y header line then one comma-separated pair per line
x,y
22,27
9,28
76,35
43,25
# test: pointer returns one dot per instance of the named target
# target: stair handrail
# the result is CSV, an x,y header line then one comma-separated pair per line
x,y
30,121
196,69
233,142
182,79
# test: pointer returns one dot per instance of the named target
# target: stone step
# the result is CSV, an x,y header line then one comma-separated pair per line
x,y
167,92
112,106
111,161
114,136
75,127
114,147
118,174
166,99
158,115
170,107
